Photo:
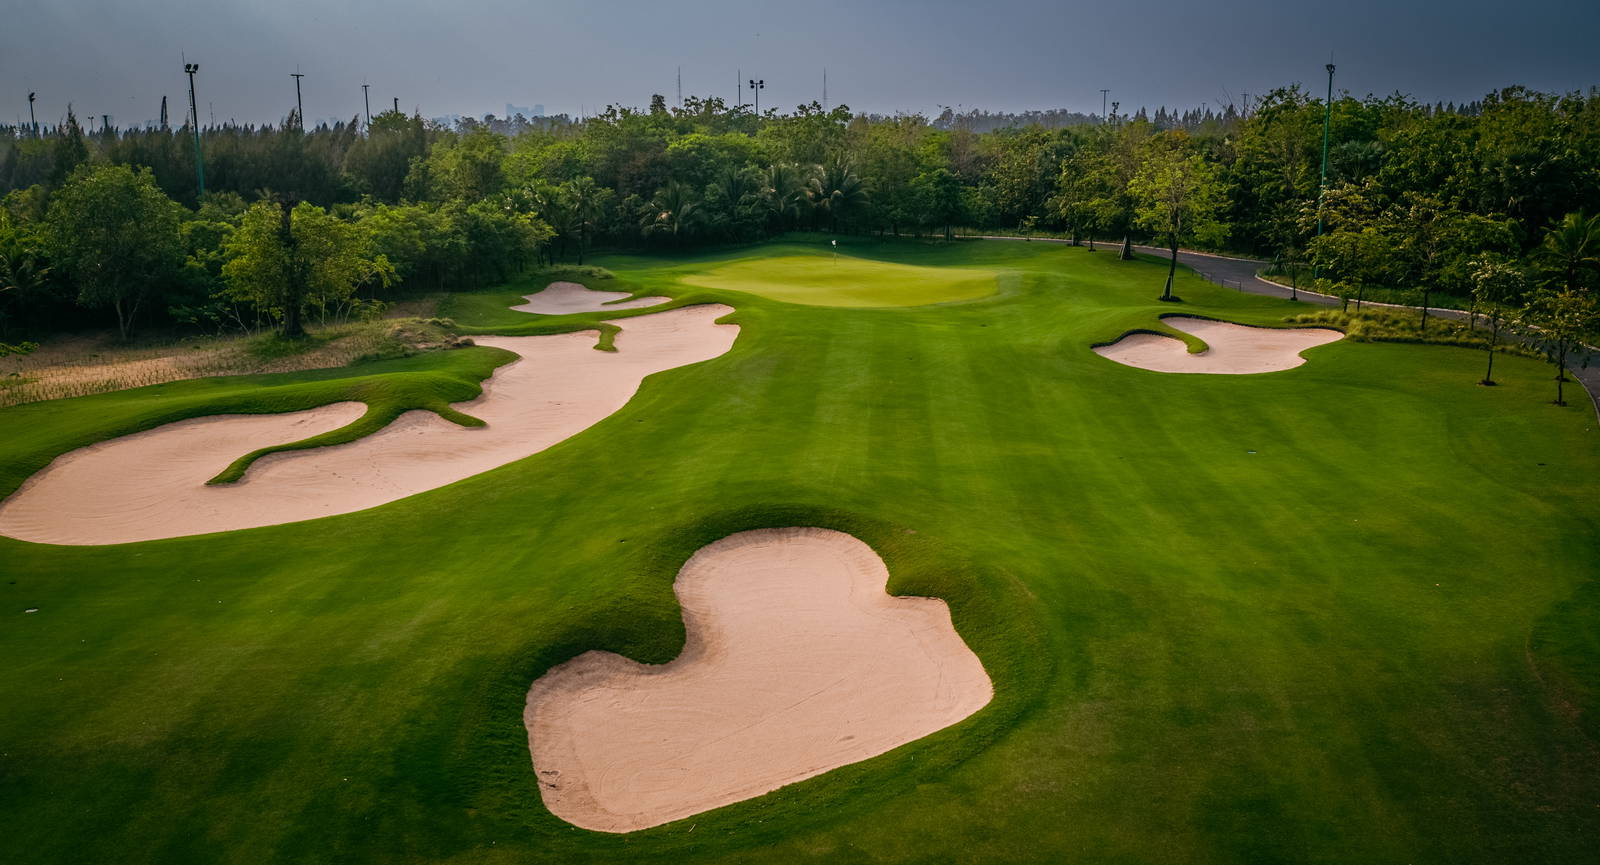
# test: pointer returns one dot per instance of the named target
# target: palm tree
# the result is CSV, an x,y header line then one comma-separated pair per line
x,y
835,190
583,199
554,205
673,212
783,194
1570,248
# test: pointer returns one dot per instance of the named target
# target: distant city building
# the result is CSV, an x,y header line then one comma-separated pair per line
x,y
513,110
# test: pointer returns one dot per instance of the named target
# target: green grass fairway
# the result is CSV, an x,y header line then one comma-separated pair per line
x,y
1344,613
822,279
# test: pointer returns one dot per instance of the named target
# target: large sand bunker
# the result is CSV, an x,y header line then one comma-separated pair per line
x,y
565,298
153,484
796,662
1233,349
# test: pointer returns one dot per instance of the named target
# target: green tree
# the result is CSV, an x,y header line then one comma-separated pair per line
x,y
836,191
291,260
783,195
1560,322
674,212
1570,251
1498,286
114,232
588,203
1179,196
937,197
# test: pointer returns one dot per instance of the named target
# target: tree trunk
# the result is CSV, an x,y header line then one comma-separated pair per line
x,y
1172,266
122,320
1561,373
1423,327
1127,247
1361,294
1494,334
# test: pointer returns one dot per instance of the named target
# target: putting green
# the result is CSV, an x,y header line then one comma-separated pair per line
x,y
844,280
1339,613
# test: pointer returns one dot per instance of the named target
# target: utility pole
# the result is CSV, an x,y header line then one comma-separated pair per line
x,y
365,100
397,105
1327,121
738,80
32,123
1105,92
756,87
194,123
824,88
299,107
680,86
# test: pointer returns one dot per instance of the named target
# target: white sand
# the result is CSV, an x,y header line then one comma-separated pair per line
x,y
796,662
565,298
152,484
1233,349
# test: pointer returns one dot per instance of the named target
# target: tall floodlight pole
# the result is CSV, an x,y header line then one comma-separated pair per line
x,y
1105,92
738,81
194,124
33,124
299,107
1327,121
756,86
367,101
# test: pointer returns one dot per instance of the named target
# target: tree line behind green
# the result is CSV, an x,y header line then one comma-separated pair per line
x,y
108,227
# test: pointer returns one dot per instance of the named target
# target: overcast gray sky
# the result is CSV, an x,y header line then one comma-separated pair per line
x,y
474,56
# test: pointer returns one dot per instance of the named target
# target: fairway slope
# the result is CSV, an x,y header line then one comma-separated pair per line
x,y
566,298
796,661
1233,349
153,484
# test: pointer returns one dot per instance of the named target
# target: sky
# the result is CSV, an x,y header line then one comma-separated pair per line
x,y
472,57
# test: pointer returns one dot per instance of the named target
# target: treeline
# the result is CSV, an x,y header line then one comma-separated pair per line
x,y
1417,195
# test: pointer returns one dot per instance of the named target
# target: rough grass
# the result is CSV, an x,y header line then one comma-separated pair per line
x,y
80,367
1378,325
1341,613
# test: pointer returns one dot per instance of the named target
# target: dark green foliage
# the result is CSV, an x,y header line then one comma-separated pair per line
x,y
1416,192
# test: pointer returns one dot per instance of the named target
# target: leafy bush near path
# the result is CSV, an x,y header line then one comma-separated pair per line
x,y
1373,325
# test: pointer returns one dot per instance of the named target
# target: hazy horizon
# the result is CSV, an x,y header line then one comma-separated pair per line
x,y
118,58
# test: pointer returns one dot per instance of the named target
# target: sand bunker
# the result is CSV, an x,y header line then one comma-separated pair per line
x,y
152,484
796,662
1234,349
565,298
